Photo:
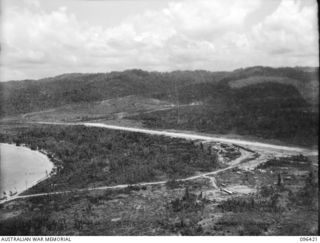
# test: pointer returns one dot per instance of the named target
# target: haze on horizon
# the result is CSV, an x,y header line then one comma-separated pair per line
x,y
42,38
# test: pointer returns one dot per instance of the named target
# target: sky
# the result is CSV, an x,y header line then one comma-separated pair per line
x,y
43,38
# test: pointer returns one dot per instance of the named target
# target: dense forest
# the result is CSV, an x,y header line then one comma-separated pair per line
x,y
87,157
271,103
267,110
36,95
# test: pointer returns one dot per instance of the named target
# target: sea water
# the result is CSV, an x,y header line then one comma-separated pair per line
x,y
21,168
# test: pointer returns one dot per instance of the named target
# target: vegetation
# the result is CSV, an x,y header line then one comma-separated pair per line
x,y
289,211
285,204
36,95
298,161
95,156
182,208
266,110
286,201
267,107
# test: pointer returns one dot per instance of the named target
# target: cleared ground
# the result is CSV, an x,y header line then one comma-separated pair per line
x,y
111,109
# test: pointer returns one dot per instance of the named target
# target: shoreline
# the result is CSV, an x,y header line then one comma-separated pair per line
x,y
43,155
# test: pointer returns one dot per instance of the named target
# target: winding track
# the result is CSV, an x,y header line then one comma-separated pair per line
x,y
245,155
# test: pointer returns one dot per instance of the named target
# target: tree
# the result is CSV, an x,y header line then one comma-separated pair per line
x,y
280,182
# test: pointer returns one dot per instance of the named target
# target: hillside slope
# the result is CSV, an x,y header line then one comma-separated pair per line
x,y
36,95
266,110
272,103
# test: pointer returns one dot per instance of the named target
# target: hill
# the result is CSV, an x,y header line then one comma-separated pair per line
x,y
266,110
272,103
36,95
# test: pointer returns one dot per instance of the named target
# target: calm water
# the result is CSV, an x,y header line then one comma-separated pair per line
x,y
21,168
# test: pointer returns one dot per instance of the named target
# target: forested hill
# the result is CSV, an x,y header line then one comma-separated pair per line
x,y
34,95
18,97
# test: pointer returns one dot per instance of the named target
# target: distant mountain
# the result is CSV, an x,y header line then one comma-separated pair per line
x,y
268,110
273,103
35,95
304,79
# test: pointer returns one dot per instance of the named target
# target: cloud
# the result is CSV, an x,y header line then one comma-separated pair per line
x,y
202,34
292,27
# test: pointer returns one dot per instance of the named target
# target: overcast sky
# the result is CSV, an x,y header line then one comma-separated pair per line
x,y
41,38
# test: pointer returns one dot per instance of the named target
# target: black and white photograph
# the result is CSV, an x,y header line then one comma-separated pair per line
x,y
159,118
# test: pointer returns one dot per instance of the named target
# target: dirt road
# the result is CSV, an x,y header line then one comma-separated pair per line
x,y
245,156
196,136
247,159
